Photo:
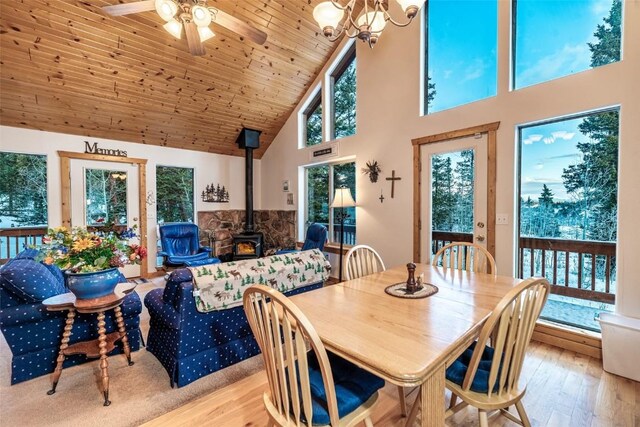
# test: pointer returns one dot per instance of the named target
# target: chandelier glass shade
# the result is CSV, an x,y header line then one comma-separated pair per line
x,y
177,11
368,25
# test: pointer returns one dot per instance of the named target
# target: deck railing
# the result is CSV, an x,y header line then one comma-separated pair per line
x,y
349,233
576,268
442,238
14,240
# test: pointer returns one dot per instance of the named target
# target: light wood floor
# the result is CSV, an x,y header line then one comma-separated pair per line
x,y
564,389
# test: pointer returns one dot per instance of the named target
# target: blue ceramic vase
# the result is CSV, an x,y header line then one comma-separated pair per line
x,y
95,284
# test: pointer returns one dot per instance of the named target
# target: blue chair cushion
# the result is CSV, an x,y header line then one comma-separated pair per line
x,y
458,369
30,281
286,251
354,386
200,262
183,259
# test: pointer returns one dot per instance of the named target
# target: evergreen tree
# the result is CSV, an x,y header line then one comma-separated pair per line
x,y
594,181
430,92
23,188
546,223
314,126
607,47
443,199
464,183
174,194
344,102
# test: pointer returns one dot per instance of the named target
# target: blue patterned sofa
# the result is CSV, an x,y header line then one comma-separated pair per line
x,y
191,344
32,332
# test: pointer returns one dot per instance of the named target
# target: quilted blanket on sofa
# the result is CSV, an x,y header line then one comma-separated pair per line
x,y
221,286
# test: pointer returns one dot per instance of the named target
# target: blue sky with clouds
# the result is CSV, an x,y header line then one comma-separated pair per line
x,y
551,42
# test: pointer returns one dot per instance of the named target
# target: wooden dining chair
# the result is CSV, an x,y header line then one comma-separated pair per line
x,y
362,260
465,256
305,386
488,377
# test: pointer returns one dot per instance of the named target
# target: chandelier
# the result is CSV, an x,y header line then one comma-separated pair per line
x,y
368,25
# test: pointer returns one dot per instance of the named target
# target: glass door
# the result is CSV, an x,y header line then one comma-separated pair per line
x,y
106,194
454,193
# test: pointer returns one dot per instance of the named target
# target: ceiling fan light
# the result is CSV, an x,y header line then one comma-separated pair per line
x,y
205,33
167,9
327,15
410,7
174,28
201,16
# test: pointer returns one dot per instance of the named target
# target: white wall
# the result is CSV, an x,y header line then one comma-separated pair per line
x,y
388,117
209,168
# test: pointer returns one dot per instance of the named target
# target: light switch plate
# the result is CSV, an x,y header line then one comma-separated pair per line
x,y
502,219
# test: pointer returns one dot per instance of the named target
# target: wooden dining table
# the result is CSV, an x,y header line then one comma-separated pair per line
x,y
407,342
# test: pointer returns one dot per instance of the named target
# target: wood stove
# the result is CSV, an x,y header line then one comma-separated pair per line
x,y
248,246
249,243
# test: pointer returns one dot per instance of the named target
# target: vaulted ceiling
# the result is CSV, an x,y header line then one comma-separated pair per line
x,y
68,67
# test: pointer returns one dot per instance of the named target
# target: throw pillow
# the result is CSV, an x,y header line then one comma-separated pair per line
x,y
30,280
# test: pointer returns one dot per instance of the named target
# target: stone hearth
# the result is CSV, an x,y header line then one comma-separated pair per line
x,y
217,228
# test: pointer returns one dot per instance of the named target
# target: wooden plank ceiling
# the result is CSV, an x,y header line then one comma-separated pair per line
x,y
68,67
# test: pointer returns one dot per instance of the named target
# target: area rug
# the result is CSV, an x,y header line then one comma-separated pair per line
x,y
138,393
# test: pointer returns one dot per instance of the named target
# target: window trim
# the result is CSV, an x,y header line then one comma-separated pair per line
x,y
336,71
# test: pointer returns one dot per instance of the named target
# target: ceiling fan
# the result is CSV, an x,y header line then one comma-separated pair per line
x,y
192,15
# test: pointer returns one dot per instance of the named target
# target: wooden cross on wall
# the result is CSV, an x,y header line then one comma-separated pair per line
x,y
393,178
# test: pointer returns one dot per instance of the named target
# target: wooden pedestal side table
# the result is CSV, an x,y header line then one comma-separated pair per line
x,y
99,347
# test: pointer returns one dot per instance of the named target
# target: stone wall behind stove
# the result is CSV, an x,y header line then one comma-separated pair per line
x,y
278,227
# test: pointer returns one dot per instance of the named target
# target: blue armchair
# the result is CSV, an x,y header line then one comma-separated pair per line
x,y
33,333
181,244
315,239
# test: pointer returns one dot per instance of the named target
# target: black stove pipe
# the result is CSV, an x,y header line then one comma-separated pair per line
x,y
248,176
249,139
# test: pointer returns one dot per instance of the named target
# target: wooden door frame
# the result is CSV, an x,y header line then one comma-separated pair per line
x,y
65,185
491,130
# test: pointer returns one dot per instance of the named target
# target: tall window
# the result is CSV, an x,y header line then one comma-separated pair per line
x,y
343,96
174,194
461,46
312,117
321,184
23,190
558,38
568,211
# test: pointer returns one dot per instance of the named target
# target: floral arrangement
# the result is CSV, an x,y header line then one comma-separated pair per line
x,y
82,251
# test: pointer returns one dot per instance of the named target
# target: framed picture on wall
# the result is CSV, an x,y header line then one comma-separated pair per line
x,y
285,186
289,198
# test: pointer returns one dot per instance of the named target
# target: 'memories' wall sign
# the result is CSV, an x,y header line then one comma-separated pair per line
x,y
90,148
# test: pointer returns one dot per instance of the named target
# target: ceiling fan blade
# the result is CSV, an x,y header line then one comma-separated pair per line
x,y
193,39
128,8
240,27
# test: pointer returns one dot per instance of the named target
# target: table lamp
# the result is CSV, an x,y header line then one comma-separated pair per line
x,y
342,199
